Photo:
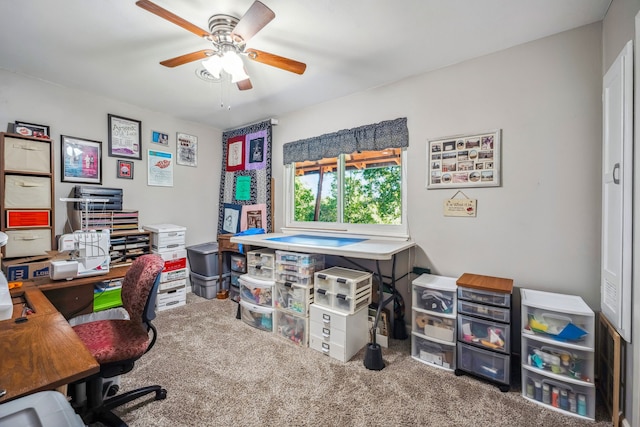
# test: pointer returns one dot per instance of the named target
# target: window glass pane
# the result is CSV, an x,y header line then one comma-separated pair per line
x,y
313,178
373,187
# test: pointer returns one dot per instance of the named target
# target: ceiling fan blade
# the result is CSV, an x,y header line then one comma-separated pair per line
x,y
163,13
186,58
253,21
244,84
276,61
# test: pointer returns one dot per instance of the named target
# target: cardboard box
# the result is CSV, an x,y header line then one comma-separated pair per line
x,y
30,267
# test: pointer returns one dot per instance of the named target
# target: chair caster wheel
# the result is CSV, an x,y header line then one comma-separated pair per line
x,y
161,394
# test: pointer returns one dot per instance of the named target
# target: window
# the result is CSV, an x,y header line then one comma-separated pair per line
x,y
361,192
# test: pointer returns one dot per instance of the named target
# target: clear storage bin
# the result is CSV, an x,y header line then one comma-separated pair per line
x,y
485,297
429,352
566,364
292,327
262,257
256,291
294,298
485,333
485,311
257,316
432,326
299,258
436,294
488,364
260,271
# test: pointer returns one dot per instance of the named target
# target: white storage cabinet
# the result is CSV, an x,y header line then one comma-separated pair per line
x,y
433,331
558,353
336,334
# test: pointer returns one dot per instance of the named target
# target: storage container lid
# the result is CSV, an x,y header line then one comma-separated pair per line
x,y
570,304
204,248
163,228
255,281
432,281
487,283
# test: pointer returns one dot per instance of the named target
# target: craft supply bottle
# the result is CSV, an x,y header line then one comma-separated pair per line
x,y
555,397
573,403
582,405
564,399
538,390
530,389
546,395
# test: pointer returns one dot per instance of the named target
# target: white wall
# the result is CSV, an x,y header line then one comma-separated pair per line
x,y
542,226
193,199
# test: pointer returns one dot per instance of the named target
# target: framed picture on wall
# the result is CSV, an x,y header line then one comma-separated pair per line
x,y
231,218
125,169
187,149
125,139
160,138
81,160
468,160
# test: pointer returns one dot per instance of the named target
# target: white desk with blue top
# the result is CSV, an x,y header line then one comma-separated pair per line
x,y
375,249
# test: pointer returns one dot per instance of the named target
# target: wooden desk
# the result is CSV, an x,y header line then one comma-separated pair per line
x,y
43,353
74,297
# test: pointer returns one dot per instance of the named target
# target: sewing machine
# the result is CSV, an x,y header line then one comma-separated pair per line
x,y
88,255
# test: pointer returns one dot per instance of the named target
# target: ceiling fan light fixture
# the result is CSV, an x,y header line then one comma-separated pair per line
x,y
213,65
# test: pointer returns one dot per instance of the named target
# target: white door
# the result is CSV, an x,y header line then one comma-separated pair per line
x,y
617,168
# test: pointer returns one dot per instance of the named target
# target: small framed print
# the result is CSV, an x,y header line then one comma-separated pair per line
x,y
160,138
31,129
469,160
125,169
187,149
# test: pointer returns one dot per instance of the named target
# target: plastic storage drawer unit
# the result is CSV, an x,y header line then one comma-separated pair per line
x,y
166,237
487,364
256,291
299,258
438,354
292,327
257,316
484,333
294,298
337,335
263,258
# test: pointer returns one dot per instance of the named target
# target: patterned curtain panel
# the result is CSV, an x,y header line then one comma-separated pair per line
x,y
245,184
375,137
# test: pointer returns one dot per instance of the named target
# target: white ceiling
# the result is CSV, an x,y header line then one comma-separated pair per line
x,y
113,47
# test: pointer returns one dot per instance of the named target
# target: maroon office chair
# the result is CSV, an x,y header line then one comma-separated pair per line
x,y
117,344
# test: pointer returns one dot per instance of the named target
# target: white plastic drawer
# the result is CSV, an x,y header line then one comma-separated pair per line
x,y
301,269
350,304
260,271
484,297
257,316
557,361
342,280
325,332
571,399
27,155
484,363
436,301
262,258
558,318
256,291
331,349
292,327
33,192
432,326
27,242
485,333
485,311
328,318
293,298
432,353
291,277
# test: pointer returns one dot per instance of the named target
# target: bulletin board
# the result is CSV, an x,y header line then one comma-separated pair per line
x,y
245,184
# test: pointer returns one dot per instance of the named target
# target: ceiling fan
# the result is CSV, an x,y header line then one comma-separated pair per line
x,y
229,36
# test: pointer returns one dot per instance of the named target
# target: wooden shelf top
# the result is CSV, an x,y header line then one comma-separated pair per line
x,y
487,283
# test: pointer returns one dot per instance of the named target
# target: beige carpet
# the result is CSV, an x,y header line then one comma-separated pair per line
x,y
220,372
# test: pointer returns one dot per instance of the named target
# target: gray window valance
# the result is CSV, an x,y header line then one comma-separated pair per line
x,y
375,137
